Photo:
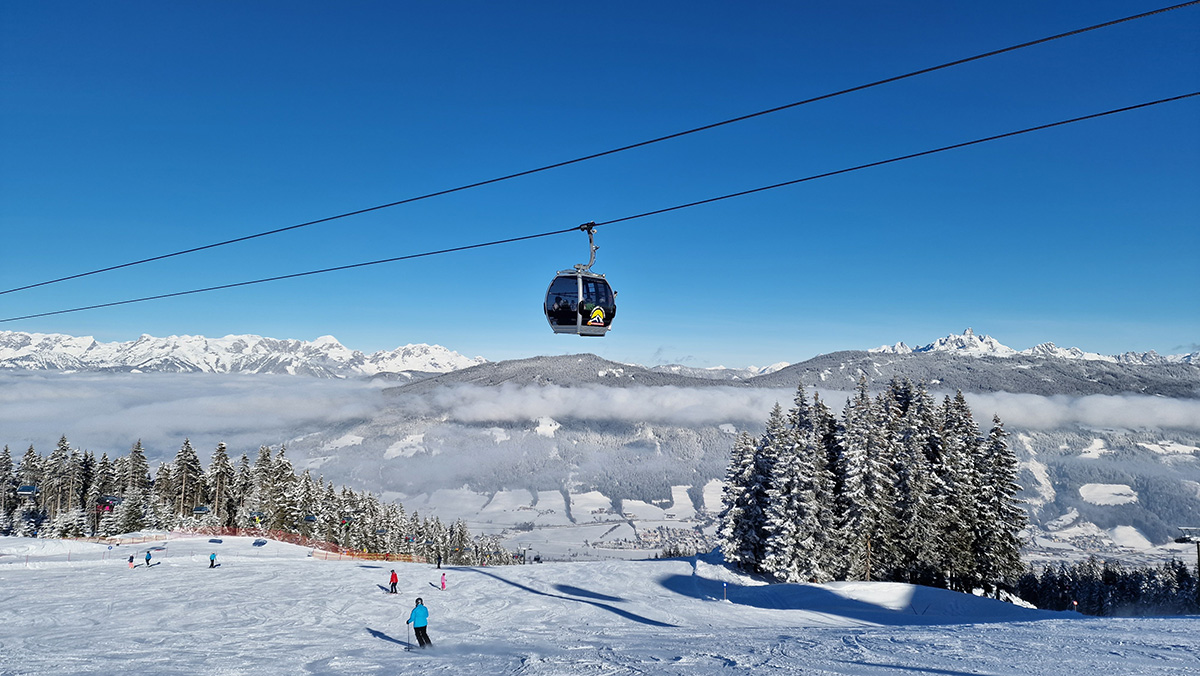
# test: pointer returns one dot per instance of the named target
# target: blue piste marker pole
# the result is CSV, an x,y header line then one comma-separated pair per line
x,y
725,590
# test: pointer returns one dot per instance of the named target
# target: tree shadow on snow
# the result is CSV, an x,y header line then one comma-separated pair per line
x,y
925,605
576,591
603,606
384,637
921,670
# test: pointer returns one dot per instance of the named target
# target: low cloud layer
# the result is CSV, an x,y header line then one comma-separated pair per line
x,y
661,405
1029,411
109,412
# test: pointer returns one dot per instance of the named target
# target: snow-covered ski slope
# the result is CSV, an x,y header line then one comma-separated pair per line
x,y
76,608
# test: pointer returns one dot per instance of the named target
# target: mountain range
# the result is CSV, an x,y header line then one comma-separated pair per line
x,y
971,344
324,357
1043,369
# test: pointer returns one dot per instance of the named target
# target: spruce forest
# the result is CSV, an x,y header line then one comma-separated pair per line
x,y
72,494
898,488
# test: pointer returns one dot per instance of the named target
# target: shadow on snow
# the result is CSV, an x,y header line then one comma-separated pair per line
x,y
580,592
925,605
576,591
384,637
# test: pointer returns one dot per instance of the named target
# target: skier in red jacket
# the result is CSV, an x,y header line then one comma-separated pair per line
x,y
394,581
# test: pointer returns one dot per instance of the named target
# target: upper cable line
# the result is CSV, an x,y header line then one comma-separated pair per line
x,y
741,193
605,153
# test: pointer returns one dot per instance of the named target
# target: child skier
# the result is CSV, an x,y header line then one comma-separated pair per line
x,y
419,619
131,560
147,558
212,560
394,580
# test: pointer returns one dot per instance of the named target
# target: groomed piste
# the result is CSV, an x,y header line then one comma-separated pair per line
x,y
77,608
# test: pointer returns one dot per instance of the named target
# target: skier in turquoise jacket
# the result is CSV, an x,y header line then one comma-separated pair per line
x,y
419,619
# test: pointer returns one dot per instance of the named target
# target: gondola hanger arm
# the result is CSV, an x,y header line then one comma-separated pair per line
x,y
590,229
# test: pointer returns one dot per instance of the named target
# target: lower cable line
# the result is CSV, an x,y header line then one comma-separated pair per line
x,y
655,212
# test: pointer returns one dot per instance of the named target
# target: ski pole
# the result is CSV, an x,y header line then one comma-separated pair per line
x,y
407,636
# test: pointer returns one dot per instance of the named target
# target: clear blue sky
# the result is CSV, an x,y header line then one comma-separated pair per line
x,y
134,129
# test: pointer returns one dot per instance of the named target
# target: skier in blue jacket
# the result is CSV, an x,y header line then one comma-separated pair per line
x,y
419,618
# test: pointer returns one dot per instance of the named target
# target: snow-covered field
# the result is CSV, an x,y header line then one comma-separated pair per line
x,y
76,608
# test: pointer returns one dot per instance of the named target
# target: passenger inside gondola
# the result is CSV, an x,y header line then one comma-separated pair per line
x,y
560,302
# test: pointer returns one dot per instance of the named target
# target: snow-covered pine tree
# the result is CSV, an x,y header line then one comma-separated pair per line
x,y
737,518
27,519
373,529
416,534
188,477
349,531
885,550
793,548
220,482
104,484
459,550
69,523
396,522
744,519
83,474
1001,518
827,489
8,491
327,513
917,504
138,469
767,467
258,499
283,507
56,471
131,515
160,512
861,503
960,439
120,467
307,498
29,470
244,489
437,539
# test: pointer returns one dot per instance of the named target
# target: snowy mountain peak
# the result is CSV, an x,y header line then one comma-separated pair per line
x,y
969,343
898,348
324,357
1052,351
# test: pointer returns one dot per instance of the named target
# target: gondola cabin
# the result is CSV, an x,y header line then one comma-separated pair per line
x,y
199,510
27,491
580,302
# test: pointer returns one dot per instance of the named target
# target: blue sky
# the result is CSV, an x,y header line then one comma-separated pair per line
x,y
129,130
